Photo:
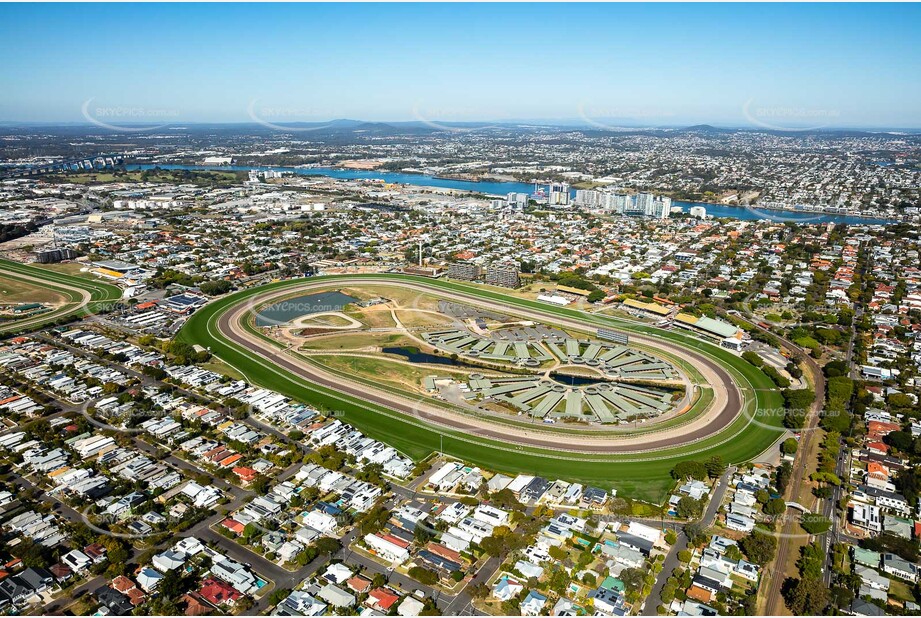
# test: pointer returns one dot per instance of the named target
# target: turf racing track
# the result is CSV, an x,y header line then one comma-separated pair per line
x,y
84,296
739,425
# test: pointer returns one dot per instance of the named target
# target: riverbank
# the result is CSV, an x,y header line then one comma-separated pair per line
x,y
501,189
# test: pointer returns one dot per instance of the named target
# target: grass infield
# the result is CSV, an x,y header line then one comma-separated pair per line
x,y
643,476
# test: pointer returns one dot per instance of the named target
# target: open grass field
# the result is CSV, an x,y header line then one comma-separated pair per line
x,y
203,177
74,269
14,291
218,366
405,377
355,341
372,317
643,476
324,320
413,318
402,297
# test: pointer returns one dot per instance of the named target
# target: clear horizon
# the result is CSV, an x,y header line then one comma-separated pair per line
x,y
773,66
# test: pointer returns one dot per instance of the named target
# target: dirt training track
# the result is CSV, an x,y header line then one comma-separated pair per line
x,y
722,412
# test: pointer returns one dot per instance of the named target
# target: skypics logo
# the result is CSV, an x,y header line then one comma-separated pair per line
x,y
95,522
772,418
620,118
297,313
452,119
122,118
784,118
287,118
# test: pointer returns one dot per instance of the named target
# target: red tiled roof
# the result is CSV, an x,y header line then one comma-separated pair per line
x,y
216,592
233,525
383,598
358,583
123,584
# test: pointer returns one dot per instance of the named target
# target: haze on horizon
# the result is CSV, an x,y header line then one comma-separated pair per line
x,y
775,66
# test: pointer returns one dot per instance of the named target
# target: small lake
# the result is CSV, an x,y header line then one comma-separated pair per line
x,y
569,380
292,308
415,355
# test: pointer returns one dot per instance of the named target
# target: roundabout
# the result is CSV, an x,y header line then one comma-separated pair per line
x,y
718,403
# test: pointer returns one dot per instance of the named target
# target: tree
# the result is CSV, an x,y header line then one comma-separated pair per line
x,y
782,478
813,523
216,287
775,507
715,466
806,596
422,535
901,440
423,576
261,484
759,547
835,368
689,508
789,446
634,580
696,533
327,545
506,499
899,400
689,469
278,595
811,560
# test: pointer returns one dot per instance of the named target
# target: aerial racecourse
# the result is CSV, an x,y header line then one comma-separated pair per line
x,y
63,296
501,381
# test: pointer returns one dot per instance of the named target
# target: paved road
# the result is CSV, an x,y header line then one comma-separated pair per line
x,y
281,578
837,534
671,559
460,604
776,577
71,515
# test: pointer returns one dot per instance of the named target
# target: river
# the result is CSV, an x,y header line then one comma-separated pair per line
x,y
504,188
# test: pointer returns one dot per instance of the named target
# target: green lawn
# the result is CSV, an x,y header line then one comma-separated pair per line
x,y
640,476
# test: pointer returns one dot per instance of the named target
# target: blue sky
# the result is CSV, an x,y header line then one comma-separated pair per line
x,y
657,64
